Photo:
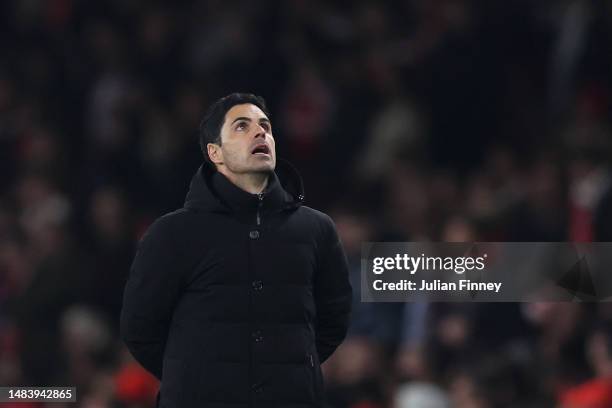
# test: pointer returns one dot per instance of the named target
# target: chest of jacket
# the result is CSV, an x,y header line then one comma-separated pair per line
x,y
238,270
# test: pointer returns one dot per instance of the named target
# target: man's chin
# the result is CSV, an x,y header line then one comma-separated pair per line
x,y
264,167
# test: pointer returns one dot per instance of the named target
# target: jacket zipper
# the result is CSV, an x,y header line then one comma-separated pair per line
x,y
251,326
260,196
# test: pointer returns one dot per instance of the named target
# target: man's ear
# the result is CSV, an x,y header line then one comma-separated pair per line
x,y
214,153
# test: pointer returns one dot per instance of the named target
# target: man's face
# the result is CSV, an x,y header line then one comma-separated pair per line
x,y
247,144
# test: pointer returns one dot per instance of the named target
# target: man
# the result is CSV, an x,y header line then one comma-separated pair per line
x,y
237,298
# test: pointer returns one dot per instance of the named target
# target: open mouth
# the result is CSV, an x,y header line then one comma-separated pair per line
x,y
261,149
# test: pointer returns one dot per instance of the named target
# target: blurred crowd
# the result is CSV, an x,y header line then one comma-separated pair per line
x,y
410,120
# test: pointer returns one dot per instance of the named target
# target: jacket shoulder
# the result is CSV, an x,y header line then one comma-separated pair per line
x,y
315,215
318,220
167,225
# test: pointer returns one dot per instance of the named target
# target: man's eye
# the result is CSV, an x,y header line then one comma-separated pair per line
x,y
241,126
266,126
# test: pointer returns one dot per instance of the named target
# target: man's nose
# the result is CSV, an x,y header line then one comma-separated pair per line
x,y
260,132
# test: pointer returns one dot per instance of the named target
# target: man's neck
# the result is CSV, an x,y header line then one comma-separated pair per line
x,y
253,183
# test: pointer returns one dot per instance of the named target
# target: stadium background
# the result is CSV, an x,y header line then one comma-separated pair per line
x,y
449,120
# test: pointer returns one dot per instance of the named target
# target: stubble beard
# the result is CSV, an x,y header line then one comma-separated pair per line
x,y
251,166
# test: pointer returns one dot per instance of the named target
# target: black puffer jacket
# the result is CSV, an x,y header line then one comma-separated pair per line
x,y
235,300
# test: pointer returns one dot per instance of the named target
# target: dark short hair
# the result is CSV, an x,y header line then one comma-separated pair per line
x,y
210,127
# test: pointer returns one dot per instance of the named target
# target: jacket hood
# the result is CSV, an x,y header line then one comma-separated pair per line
x,y
210,190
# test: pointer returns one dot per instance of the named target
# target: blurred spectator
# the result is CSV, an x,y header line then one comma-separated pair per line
x,y
596,392
111,242
421,395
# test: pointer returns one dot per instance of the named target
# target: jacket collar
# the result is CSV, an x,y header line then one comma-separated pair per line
x,y
212,191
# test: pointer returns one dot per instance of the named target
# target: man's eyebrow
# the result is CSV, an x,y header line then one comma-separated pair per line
x,y
249,119
241,118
